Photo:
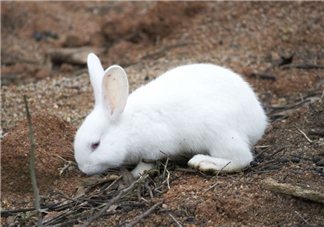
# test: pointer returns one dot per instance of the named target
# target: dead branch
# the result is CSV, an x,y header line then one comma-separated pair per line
x,y
9,212
73,56
211,187
186,170
164,49
276,152
264,76
292,190
112,201
309,66
32,166
316,133
145,214
306,222
304,134
302,66
175,220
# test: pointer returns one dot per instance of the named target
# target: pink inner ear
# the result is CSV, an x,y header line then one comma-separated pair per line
x,y
112,92
111,104
115,91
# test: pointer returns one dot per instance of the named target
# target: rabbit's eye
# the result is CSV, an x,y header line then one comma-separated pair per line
x,y
94,146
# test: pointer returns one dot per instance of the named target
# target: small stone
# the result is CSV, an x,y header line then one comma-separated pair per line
x,y
316,158
71,168
164,206
42,73
295,159
274,167
38,36
51,34
320,163
190,219
319,170
283,160
10,220
50,190
253,164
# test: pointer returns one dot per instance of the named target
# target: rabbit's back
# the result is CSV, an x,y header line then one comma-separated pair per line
x,y
200,100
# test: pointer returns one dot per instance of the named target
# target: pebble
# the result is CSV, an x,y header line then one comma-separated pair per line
x,y
10,220
320,163
319,170
283,160
190,219
316,158
51,34
253,163
38,36
71,168
259,159
275,167
295,159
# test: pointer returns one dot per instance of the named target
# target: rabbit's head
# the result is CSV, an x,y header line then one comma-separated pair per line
x,y
94,149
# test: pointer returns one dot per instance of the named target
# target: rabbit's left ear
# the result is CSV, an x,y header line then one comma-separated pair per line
x,y
96,73
115,90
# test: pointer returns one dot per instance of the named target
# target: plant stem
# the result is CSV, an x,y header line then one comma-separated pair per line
x,y
32,166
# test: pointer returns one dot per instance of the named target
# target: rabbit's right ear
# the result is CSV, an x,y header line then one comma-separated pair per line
x,y
115,90
96,73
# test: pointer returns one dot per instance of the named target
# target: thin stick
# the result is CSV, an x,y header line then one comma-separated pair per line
x,y
32,166
307,223
121,194
292,190
174,219
316,133
276,152
110,186
211,187
222,168
145,214
264,76
214,185
165,166
167,180
309,140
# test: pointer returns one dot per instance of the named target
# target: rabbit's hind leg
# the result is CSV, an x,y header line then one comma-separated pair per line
x,y
235,158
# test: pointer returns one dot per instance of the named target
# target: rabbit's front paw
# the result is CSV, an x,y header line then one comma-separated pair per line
x,y
208,163
140,168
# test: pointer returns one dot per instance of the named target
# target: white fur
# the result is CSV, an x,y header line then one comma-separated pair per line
x,y
201,109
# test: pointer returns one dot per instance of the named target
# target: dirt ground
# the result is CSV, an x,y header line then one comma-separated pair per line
x,y
275,46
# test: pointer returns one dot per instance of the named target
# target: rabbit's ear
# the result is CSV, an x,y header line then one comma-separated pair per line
x,y
115,90
96,73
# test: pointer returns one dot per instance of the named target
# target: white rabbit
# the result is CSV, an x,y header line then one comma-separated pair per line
x,y
200,109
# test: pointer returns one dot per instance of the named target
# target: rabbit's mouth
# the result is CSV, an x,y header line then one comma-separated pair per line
x,y
90,169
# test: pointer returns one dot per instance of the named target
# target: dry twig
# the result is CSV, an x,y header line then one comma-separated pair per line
x,y
32,166
112,201
306,222
145,214
175,220
309,140
292,190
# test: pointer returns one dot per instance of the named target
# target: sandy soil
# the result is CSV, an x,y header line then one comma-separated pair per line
x,y
43,50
